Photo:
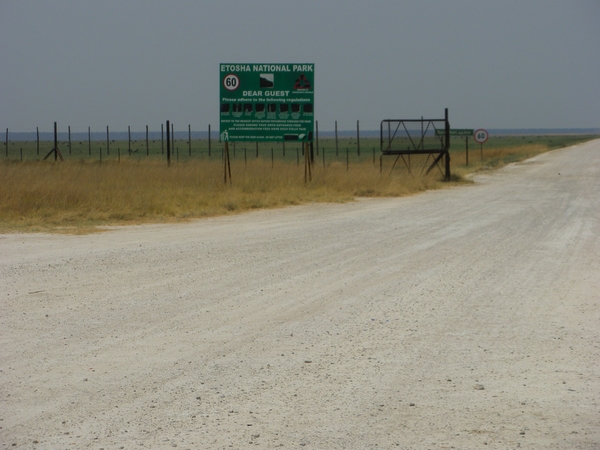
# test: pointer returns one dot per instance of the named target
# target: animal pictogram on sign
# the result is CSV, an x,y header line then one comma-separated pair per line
x,y
302,83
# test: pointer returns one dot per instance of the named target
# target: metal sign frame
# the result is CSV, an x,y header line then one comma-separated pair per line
x,y
266,102
404,137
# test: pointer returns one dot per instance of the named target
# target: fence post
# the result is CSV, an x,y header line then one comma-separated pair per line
x,y
336,140
447,175
357,138
55,141
168,144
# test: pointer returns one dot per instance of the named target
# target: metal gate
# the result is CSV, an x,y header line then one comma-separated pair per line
x,y
429,137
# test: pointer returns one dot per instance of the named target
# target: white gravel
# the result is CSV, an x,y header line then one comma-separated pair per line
x,y
465,318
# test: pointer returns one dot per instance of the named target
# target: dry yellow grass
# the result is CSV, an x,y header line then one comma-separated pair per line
x,y
78,196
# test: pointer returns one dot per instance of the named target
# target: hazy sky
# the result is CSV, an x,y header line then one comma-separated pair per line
x,y
493,63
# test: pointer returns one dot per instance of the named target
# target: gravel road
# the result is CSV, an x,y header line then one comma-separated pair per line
x,y
464,318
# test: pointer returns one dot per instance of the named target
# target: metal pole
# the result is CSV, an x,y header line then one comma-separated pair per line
x,y
336,139
317,130
357,138
168,144
55,141
447,146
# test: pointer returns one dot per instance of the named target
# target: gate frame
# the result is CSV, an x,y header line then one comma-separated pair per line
x,y
443,151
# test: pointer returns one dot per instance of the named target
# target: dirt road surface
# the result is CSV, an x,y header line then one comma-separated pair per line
x,y
465,318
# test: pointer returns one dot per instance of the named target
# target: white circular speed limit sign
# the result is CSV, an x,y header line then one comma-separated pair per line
x,y
480,136
231,82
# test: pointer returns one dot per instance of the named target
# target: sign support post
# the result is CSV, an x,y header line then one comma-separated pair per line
x,y
307,163
480,137
226,164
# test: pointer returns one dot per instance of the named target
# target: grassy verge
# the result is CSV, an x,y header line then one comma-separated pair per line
x,y
78,195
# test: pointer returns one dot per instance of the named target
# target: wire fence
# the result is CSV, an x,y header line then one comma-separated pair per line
x,y
185,145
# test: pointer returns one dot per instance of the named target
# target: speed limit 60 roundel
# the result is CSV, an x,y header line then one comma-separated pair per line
x,y
231,82
480,136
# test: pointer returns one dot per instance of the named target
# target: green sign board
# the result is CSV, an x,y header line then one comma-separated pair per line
x,y
267,102
456,132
